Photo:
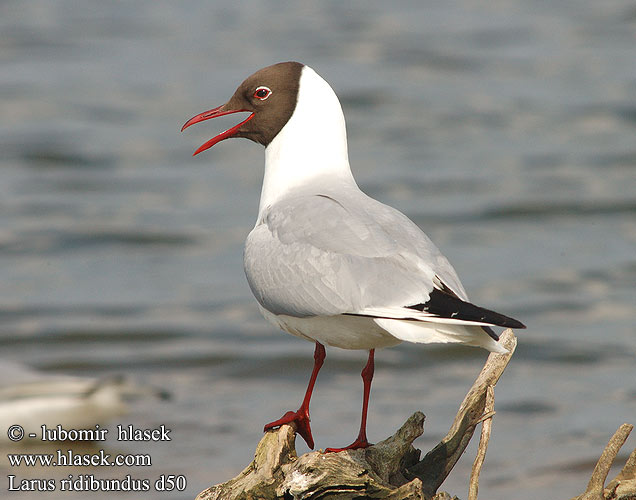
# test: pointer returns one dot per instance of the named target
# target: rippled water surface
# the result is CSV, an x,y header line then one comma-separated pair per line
x,y
506,130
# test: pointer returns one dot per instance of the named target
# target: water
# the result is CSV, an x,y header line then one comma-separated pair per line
x,y
506,130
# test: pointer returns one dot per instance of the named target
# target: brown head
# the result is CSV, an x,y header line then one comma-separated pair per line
x,y
270,95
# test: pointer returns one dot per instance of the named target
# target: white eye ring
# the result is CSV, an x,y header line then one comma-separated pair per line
x,y
259,90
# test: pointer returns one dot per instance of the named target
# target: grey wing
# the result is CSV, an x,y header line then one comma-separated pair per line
x,y
322,255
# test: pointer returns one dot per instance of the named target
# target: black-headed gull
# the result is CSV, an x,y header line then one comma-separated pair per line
x,y
325,261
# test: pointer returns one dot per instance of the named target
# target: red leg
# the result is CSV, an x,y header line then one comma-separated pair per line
x,y
301,417
361,440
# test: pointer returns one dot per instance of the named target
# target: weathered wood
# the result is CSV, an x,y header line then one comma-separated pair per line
x,y
277,472
389,470
392,469
437,464
623,486
486,428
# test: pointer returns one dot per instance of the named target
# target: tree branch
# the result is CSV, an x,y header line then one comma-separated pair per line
x,y
486,427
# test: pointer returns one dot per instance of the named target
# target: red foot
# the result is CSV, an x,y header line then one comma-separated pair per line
x,y
301,419
356,445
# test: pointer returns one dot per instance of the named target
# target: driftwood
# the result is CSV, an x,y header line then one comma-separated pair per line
x,y
623,486
390,470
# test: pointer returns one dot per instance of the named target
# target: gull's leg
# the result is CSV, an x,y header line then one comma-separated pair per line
x,y
361,440
301,417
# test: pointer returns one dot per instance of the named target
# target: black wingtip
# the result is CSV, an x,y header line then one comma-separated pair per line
x,y
448,305
502,320
519,324
507,321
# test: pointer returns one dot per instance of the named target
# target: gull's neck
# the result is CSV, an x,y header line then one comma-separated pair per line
x,y
310,151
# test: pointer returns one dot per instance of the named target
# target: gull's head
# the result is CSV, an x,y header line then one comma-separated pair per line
x,y
273,97
269,95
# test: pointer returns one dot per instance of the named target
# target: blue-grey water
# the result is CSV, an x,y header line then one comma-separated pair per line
x,y
507,130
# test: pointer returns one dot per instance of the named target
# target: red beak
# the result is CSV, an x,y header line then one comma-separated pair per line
x,y
214,113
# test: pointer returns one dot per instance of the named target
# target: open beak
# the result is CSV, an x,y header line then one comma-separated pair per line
x,y
214,113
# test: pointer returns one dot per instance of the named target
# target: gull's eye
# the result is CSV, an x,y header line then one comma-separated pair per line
x,y
262,93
